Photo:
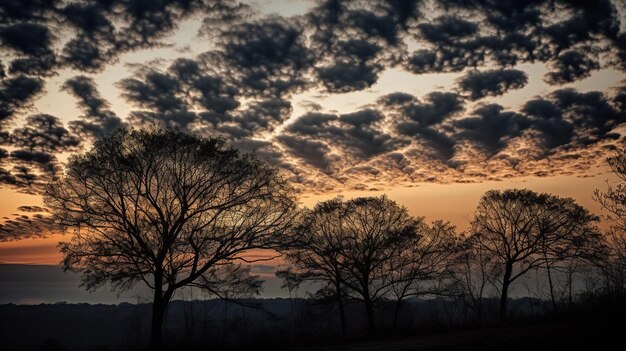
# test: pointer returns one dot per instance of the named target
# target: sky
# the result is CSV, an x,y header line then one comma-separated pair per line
x,y
430,102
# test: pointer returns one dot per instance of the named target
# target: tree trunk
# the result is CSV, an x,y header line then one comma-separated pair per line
x,y
158,312
159,306
480,312
570,297
505,292
342,313
396,313
293,314
369,309
551,285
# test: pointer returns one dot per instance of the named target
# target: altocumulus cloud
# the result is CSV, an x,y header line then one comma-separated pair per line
x,y
241,80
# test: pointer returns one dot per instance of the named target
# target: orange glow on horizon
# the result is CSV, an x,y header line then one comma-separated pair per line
x,y
451,202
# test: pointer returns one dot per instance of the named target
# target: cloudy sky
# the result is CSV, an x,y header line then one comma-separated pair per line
x,y
432,102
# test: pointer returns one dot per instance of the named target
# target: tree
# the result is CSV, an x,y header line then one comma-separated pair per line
x,y
350,244
522,229
475,272
374,229
422,264
169,210
315,249
613,266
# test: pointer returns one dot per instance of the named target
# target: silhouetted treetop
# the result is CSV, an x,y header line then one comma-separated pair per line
x,y
523,229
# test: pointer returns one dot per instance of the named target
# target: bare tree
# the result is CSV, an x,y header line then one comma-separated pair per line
x,y
475,272
422,264
292,281
349,245
518,227
315,249
613,200
562,259
169,210
373,230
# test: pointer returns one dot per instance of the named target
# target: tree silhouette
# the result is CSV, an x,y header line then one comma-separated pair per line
x,y
315,251
351,246
169,210
475,273
374,229
523,230
613,264
422,264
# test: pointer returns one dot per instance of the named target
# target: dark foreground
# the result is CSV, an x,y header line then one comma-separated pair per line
x,y
543,336
282,324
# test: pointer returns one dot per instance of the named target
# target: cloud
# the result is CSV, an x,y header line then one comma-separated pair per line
x,y
23,226
456,44
44,133
548,120
591,113
16,94
181,96
17,10
31,39
41,158
354,44
98,120
515,32
95,33
159,94
353,67
571,66
265,57
357,135
244,86
313,152
426,122
84,54
361,134
32,209
447,29
479,84
620,98
491,128
599,17
414,116
263,115
33,162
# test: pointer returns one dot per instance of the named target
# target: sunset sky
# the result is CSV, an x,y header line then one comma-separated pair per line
x,y
430,102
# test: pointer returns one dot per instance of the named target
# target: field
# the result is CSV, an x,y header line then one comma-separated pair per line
x,y
270,324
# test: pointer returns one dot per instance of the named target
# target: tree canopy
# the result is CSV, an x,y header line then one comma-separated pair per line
x,y
522,229
170,210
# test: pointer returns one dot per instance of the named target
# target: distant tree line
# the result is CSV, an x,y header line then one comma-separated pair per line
x,y
173,210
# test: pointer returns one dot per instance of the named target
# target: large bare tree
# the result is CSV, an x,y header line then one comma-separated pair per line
x,y
170,210
522,229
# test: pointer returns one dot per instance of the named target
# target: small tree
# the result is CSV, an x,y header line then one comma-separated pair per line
x,y
613,266
375,230
475,274
422,264
315,249
350,245
169,210
518,227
